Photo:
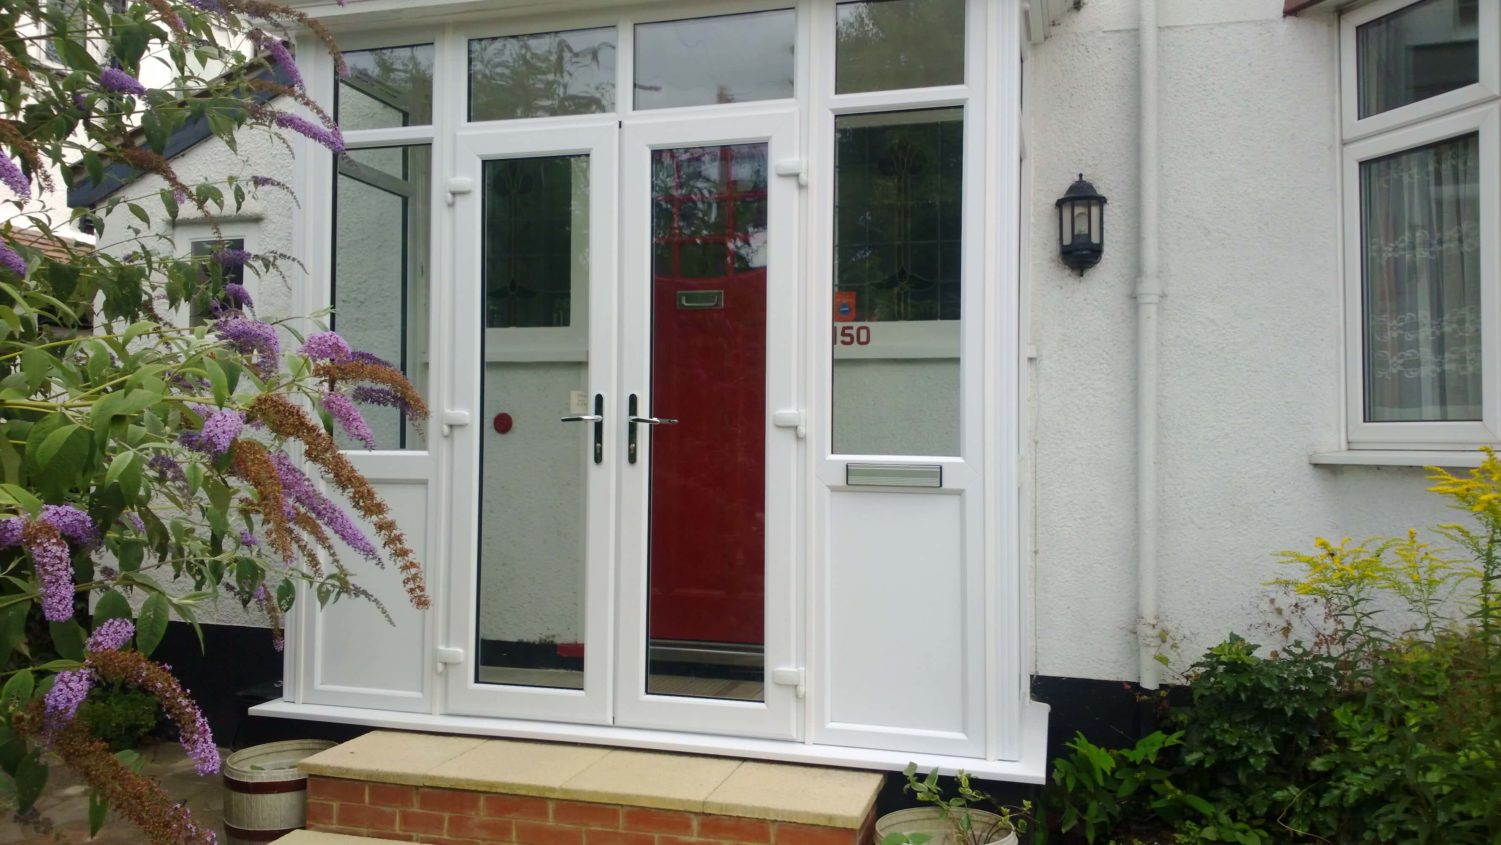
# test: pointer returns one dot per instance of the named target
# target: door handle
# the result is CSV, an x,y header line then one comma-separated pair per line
x,y
598,418
634,419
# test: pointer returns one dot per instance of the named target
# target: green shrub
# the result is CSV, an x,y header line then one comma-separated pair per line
x,y
120,716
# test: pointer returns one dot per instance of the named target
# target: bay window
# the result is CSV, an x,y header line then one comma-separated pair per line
x,y
1421,112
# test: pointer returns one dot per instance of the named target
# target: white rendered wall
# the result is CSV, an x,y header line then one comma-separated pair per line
x,y
1251,350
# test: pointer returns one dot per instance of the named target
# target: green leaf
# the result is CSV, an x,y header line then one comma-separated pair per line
x,y
60,459
111,605
151,625
68,638
22,497
37,365
31,779
12,628
98,810
218,381
17,691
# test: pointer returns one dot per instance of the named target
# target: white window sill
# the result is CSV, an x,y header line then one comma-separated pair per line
x,y
1455,459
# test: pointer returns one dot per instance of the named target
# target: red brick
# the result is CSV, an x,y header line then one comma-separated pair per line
x,y
391,795
320,812
516,807
683,840
587,815
596,836
368,818
536,833
420,821
334,789
731,828
449,801
485,830
804,834
658,821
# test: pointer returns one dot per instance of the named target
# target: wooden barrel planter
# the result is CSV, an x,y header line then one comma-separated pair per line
x,y
265,797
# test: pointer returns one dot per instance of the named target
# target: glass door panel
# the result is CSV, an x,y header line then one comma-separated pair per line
x,y
532,470
707,548
708,320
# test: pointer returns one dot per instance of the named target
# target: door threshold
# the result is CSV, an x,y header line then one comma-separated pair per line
x,y
1031,768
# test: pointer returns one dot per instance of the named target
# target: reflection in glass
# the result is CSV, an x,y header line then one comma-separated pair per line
x,y
382,228
726,59
1420,250
391,86
1417,52
882,45
532,547
706,574
898,216
551,73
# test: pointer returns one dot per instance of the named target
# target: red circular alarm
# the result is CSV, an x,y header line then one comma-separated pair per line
x,y
503,423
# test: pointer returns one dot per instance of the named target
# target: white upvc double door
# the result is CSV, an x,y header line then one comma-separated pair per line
x,y
624,509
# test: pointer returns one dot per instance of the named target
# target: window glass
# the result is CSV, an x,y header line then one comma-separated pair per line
x,y
391,86
882,45
727,59
536,240
552,73
898,216
533,488
1418,52
380,273
1420,229
200,310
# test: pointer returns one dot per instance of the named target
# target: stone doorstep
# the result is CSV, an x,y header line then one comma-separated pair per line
x,y
683,783
469,791
313,837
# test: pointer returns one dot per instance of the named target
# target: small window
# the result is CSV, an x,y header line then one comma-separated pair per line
x,y
200,308
388,87
536,248
727,59
382,230
881,45
552,73
1420,51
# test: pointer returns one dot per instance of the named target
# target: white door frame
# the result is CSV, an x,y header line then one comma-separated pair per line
x,y
778,715
596,138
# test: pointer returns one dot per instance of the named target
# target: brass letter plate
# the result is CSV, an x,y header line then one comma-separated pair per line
x,y
893,475
698,299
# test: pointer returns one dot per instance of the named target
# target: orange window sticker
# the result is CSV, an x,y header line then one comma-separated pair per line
x,y
844,306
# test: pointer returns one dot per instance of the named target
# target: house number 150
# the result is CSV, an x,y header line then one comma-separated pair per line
x,y
852,335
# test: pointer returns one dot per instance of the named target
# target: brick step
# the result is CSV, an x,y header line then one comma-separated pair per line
x,y
451,790
314,837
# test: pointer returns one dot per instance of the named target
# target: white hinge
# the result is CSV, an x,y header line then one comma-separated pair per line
x,y
791,418
793,167
446,656
453,420
459,185
789,678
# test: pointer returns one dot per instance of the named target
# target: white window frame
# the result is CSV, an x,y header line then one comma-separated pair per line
x,y
1473,109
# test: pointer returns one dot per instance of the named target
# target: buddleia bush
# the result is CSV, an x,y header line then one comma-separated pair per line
x,y
146,466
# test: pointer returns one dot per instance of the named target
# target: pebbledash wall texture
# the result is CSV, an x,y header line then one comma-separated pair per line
x,y
1251,326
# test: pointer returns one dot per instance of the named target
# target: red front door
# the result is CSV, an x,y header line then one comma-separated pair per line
x,y
708,471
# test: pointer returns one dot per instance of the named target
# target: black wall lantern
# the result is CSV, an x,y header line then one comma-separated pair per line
x,y
1081,226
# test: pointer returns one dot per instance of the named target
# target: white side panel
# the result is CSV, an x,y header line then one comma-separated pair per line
x,y
360,658
903,669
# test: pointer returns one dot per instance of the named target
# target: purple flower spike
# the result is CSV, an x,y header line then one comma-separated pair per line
x,y
340,408
120,82
252,337
13,178
10,532
166,468
238,296
325,346
231,257
72,523
63,700
134,521
298,489
220,430
248,539
111,635
330,138
10,259
279,55
54,570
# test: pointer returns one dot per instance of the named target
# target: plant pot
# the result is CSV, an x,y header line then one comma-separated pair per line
x,y
265,797
930,820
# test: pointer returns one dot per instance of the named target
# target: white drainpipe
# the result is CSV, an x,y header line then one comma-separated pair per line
x,y
1148,293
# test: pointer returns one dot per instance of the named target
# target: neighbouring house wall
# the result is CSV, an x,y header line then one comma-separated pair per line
x,y
1251,328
